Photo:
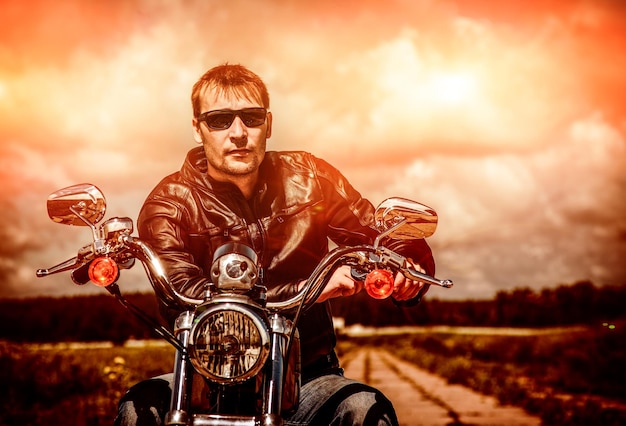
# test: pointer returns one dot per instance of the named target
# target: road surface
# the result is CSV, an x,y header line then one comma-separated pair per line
x,y
421,398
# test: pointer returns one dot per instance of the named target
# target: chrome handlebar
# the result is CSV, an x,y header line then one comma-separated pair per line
x,y
122,244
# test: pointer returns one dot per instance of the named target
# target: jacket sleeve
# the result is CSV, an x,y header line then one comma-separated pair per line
x,y
350,217
351,222
160,225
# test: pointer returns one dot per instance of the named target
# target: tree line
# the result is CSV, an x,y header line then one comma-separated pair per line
x,y
103,318
579,303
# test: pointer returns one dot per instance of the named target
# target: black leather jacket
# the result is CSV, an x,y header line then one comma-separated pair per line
x,y
300,202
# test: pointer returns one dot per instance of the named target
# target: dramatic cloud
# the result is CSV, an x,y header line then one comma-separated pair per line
x,y
552,216
504,117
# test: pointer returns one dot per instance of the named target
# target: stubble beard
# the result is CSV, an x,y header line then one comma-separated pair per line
x,y
229,167
225,167
238,169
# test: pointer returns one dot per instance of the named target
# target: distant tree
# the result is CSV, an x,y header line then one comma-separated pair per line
x,y
101,317
83,318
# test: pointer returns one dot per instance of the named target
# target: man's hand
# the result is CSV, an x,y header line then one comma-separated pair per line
x,y
406,289
340,284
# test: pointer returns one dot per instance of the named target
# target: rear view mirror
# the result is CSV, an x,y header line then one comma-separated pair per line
x,y
413,220
78,205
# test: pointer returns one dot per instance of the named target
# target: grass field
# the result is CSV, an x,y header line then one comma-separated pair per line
x,y
568,376
72,385
576,377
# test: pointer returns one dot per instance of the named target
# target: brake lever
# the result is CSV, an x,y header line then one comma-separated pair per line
x,y
85,255
395,260
416,275
410,273
61,267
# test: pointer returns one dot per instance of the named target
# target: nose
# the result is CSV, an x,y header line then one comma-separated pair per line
x,y
238,130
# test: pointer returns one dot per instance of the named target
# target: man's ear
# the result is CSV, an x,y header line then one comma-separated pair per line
x,y
197,132
268,131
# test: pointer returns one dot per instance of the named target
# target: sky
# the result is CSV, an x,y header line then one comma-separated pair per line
x,y
507,118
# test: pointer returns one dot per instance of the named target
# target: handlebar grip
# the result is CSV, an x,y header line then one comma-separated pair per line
x,y
357,274
80,275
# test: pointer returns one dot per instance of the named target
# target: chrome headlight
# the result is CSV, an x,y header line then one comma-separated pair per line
x,y
234,268
229,343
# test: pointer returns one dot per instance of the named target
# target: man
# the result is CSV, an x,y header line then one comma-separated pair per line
x,y
285,205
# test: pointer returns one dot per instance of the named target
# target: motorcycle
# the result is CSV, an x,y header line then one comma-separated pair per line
x,y
237,359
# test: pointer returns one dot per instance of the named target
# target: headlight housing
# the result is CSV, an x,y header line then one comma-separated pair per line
x,y
229,343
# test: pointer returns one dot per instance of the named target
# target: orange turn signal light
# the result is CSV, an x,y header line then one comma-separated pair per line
x,y
379,283
103,271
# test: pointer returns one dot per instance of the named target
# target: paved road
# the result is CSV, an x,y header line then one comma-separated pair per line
x,y
422,398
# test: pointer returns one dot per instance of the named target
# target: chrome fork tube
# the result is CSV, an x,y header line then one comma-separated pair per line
x,y
274,389
178,414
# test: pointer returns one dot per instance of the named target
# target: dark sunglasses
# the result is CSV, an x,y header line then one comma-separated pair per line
x,y
222,119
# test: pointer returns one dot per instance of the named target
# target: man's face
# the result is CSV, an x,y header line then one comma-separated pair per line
x,y
238,150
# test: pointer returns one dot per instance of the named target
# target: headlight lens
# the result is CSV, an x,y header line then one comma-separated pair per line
x,y
229,343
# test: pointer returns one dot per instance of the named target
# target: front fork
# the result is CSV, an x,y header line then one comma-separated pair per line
x,y
178,414
280,330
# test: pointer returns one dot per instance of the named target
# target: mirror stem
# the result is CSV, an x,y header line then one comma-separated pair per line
x,y
94,230
387,232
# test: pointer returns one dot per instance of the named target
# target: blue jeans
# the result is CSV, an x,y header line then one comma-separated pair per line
x,y
326,400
